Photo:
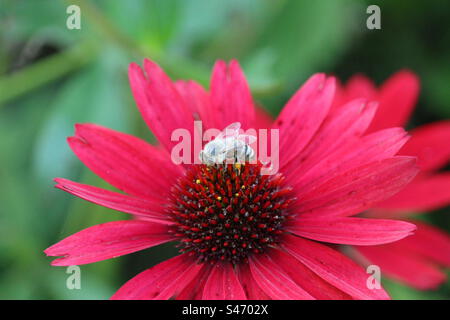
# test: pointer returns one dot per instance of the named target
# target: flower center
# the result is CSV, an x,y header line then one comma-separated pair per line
x,y
228,211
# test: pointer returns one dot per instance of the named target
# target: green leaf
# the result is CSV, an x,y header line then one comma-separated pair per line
x,y
96,95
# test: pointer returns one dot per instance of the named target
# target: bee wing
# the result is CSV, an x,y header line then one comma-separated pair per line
x,y
248,139
231,131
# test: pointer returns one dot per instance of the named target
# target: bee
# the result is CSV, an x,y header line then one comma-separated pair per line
x,y
229,146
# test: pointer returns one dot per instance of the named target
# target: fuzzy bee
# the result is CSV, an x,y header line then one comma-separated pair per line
x,y
229,147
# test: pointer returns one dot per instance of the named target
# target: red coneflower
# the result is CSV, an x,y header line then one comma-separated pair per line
x,y
242,235
415,260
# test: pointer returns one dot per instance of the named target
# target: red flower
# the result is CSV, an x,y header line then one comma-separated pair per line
x,y
416,259
242,235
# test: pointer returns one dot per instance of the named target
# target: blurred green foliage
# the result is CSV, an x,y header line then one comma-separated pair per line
x,y
52,78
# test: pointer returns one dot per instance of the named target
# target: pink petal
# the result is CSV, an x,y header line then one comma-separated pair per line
x,y
274,281
159,102
198,101
305,278
108,240
126,162
397,96
161,282
430,144
263,120
333,267
373,147
223,284
151,210
302,116
429,242
230,96
404,266
194,290
251,288
357,231
358,189
344,128
425,193
359,86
